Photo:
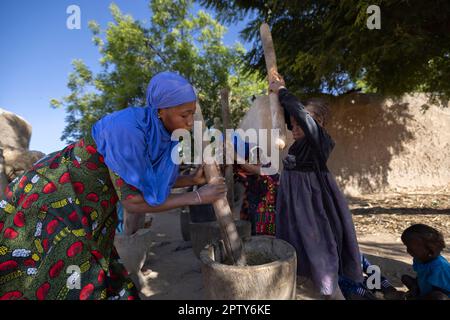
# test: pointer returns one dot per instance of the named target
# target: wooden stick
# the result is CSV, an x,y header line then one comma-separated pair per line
x,y
229,176
231,240
278,121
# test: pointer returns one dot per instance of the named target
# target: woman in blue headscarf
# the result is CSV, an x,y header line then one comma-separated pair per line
x,y
58,220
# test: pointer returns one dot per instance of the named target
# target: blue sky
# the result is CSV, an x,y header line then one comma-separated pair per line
x,y
36,54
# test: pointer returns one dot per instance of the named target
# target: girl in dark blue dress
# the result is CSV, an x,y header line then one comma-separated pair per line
x,y
312,213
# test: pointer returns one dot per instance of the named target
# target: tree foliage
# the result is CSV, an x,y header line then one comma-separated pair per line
x,y
131,53
327,46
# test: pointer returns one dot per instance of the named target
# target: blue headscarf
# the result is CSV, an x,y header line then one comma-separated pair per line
x,y
136,145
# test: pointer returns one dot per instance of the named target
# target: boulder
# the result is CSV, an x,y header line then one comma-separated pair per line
x,y
15,158
17,161
14,130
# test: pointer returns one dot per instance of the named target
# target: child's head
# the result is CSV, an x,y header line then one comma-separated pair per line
x,y
318,109
257,156
423,242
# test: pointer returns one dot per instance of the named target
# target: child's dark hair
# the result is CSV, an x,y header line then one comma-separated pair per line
x,y
431,237
317,106
320,109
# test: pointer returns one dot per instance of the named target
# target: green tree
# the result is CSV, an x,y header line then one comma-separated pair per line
x,y
327,46
132,53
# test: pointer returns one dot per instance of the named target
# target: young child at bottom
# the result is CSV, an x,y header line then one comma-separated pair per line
x,y
425,245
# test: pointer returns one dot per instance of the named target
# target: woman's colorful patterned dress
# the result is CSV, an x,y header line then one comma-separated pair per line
x,y
259,202
57,227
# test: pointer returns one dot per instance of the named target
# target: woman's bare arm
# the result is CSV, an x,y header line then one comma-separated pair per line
x,y
206,194
198,177
137,204
184,181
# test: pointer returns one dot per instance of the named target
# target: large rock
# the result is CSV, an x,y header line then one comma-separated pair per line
x,y
17,161
15,132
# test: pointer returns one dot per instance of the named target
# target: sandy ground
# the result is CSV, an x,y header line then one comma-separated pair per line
x,y
173,272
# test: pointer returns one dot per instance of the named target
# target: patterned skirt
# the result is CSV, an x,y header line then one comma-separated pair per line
x,y
259,202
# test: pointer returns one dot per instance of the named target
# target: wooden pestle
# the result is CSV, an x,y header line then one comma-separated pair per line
x,y
232,242
278,121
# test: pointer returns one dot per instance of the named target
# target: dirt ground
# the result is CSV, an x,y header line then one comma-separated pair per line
x,y
173,272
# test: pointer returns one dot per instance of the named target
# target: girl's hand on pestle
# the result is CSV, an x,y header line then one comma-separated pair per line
x,y
276,82
213,191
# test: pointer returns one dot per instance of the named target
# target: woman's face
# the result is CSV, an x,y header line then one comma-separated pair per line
x,y
179,117
297,132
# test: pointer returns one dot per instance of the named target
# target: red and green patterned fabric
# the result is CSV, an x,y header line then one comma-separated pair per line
x,y
57,228
259,201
